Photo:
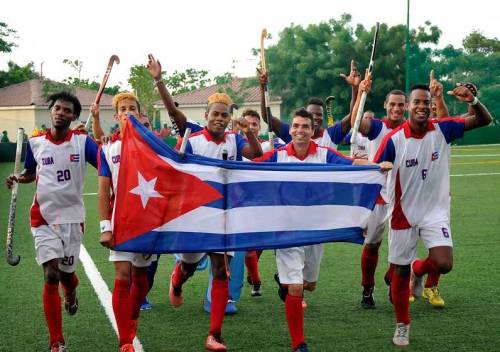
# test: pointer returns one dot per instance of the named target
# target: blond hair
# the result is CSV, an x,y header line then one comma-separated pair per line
x,y
221,98
122,96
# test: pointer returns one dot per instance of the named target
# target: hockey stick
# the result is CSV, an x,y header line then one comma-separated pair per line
x,y
263,36
9,246
113,59
361,107
182,149
329,108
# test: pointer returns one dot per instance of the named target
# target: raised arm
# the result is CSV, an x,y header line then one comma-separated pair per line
x,y
353,79
154,68
365,85
275,122
481,116
436,89
96,123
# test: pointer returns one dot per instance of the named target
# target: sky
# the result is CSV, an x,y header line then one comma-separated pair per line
x,y
213,35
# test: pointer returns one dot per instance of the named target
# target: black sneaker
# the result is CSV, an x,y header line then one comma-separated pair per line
x,y
367,301
71,303
256,291
301,348
282,291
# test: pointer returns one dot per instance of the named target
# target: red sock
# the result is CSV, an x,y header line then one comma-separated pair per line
x,y
178,278
68,290
219,296
121,307
53,312
295,319
389,273
432,279
252,264
369,260
138,291
400,293
424,266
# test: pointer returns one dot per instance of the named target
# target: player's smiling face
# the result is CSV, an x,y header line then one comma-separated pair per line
x,y
62,114
301,130
395,107
317,112
420,106
126,106
253,124
217,119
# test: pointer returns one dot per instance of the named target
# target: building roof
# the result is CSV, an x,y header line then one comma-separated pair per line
x,y
200,96
30,93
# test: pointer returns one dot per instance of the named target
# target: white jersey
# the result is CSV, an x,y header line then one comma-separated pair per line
x,y
378,130
418,186
266,146
202,143
109,160
60,175
330,137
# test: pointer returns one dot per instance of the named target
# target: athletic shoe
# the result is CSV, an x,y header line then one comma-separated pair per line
x,y
301,348
367,301
433,296
71,303
388,283
174,294
402,335
146,305
58,347
282,291
215,343
230,307
128,347
256,291
416,283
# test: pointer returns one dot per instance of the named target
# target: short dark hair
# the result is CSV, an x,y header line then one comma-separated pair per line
x,y
315,101
419,86
250,112
395,92
302,112
68,97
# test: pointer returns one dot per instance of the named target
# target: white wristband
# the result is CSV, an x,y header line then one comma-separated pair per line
x,y
475,101
158,80
105,226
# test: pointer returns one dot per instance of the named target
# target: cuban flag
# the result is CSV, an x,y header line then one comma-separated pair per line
x,y
166,203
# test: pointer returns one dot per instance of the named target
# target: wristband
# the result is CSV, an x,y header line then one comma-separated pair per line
x,y
158,80
105,226
474,102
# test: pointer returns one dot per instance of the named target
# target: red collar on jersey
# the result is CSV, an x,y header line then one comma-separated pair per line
x,y
409,133
211,138
290,150
49,136
388,123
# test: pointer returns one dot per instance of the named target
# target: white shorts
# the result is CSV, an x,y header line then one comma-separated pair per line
x,y
58,241
192,258
299,264
403,243
139,260
376,224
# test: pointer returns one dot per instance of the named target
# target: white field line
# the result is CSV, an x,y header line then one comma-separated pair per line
x,y
483,174
102,291
473,155
474,145
90,194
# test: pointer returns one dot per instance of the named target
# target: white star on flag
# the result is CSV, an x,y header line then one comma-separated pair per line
x,y
146,190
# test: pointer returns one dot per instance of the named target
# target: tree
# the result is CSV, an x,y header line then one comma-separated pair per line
x,y
17,74
76,65
307,61
144,87
92,85
182,82
6,32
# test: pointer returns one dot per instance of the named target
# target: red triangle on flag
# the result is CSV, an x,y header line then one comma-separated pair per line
x,y
175,193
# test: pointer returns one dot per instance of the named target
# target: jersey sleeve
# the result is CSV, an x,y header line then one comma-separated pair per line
x,y
334,157
103,167
91,151
240,144
193,126
375,129
452,128
386,151
347,138
335,133
284,132
29,160
268,157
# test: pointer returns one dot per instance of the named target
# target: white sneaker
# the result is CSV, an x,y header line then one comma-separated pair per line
x,y
416,283
402,335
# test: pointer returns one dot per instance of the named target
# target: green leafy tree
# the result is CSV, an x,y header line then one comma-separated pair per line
x,y
182,82
17,74
6,34
92,85
144,87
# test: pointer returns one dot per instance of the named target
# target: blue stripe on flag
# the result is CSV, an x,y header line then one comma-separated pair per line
x,y
192,242
269,193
